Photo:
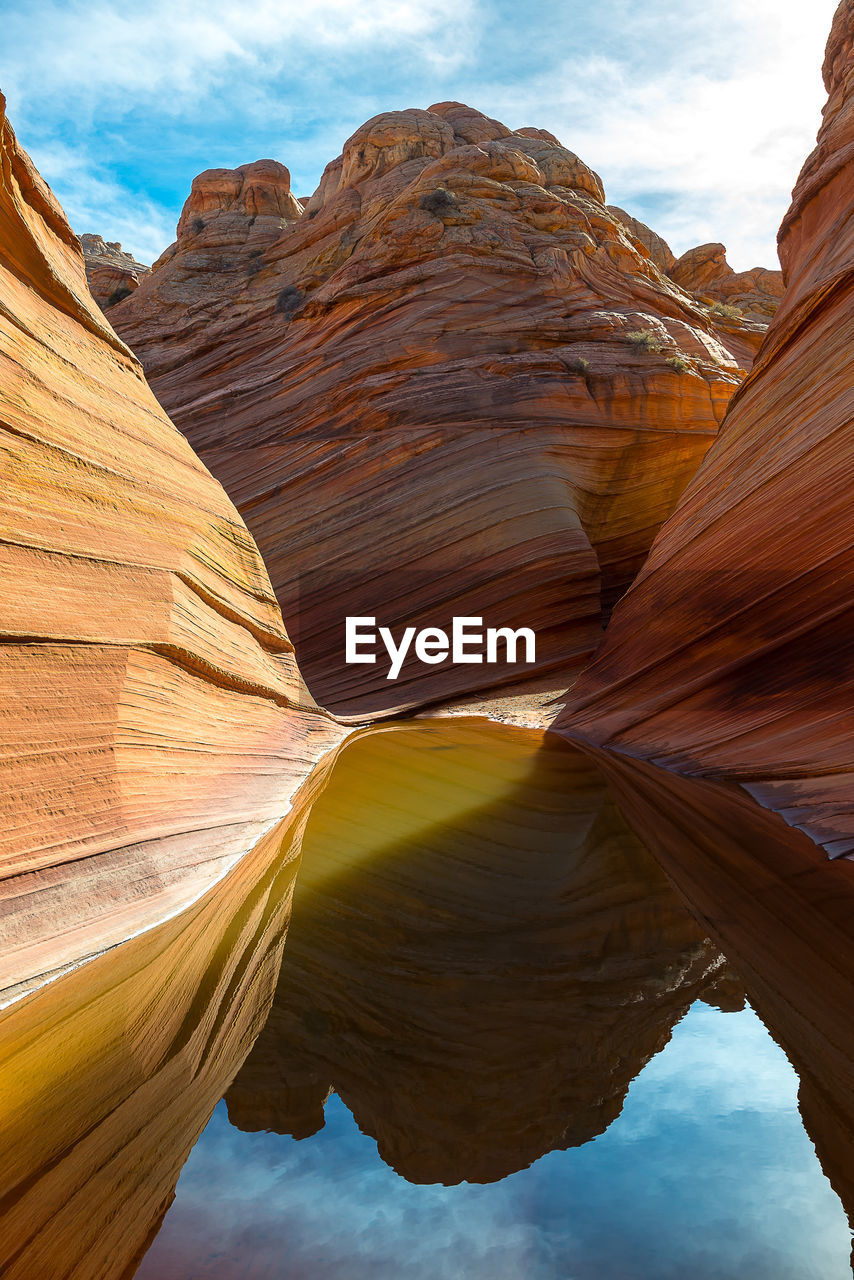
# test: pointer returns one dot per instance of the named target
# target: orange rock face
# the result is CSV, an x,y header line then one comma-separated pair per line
x,y
456,386
733,653
112,274
705,271
154,720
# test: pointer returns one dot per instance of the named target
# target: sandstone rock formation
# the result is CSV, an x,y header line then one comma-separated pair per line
x,y
109,1074
481,956
456,385
656,246
154,720
112,274
706,272
733,653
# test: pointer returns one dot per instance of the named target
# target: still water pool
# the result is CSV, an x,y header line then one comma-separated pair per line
x,y
707,1173
474,1034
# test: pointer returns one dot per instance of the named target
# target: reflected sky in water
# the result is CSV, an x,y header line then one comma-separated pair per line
x,y
708,1171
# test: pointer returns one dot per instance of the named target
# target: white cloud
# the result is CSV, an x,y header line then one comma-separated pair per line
x,y
93,202
698,119
104,51
705,139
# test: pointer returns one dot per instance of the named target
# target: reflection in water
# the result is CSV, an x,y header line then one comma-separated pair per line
x,y
108,1075
482,956
485,965
784,912
707,1173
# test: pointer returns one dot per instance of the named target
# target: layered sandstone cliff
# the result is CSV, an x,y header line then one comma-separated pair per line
x,y
481,958
154,719
704,271
733,653
456,385
112,273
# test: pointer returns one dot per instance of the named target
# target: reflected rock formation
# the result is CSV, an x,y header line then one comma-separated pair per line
x,y
109,1074
155,723
455,385
481,959
781,912
732,655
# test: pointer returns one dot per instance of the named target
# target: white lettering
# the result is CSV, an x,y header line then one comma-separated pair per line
x,y
397,654
510,639
431,645
353,640
461,639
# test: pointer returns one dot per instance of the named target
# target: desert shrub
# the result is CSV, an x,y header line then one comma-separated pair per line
x,y
117,295
677,363
725,311
198,225
580,365
643,339
439,201
288,300
255,253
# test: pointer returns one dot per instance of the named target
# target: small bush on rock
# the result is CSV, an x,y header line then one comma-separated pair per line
x,y
643,339
440,201
725,311
288,300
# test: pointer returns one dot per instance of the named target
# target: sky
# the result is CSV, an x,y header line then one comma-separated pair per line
x,y
707,1173
697,115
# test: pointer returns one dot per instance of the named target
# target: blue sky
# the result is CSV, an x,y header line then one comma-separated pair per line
x,y
706,1173
697,115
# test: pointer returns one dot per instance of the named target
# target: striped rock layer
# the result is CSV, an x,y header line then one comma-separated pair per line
x,y
154,722
456,384
733,653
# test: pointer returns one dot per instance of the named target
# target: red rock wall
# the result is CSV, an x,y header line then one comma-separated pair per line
x,y
423,396
733,653
154,720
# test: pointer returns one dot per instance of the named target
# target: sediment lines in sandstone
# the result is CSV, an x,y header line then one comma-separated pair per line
x,y
733,653
455,385
154,719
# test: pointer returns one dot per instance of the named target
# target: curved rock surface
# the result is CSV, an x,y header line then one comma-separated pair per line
x,y
705,271
455,386
109,1074
112,274
481,956
656,246
154,720
733,653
